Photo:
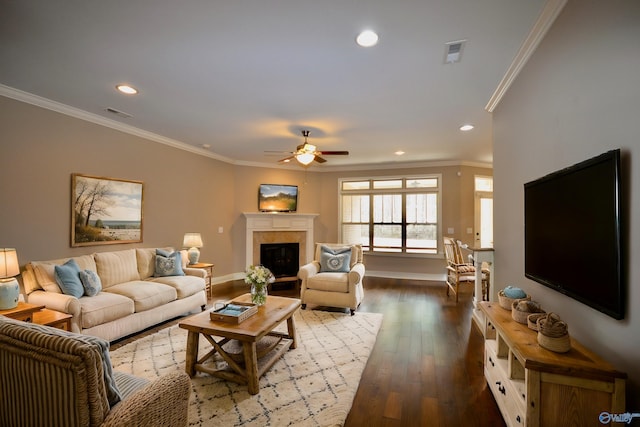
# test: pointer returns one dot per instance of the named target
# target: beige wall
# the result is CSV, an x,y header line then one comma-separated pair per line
x,y
40,149
577,97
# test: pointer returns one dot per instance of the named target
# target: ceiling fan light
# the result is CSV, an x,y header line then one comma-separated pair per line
x,y
305,158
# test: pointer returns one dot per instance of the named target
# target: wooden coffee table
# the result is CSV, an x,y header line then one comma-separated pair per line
x,y
249,348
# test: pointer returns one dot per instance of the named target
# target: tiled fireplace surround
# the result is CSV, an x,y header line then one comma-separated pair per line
x,y
264,227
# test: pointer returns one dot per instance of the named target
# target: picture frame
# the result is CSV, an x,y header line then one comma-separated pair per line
x,y
105,211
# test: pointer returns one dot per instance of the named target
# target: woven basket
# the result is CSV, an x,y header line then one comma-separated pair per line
x,y
553,333
520,310
557,344
532,320
506,302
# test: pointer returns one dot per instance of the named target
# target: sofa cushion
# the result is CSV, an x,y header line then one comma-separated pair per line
x,y
117,267
185,286
168,263
90,282
146,258
145,295
68,278
335,260
44,271
104,308
129,384
329,282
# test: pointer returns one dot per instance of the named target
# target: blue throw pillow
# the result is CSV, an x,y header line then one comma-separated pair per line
x,y
68,278
91,282
335,260
168,264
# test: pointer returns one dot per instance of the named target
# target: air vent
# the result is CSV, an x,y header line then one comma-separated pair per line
x,y
453,51
118,113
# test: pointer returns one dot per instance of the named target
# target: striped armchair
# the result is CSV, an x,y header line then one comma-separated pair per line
x,y
50,377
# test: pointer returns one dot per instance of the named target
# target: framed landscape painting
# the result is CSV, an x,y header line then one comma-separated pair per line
x,y
105,210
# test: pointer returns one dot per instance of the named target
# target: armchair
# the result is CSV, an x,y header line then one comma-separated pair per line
x,y
334,287
57,378
459,271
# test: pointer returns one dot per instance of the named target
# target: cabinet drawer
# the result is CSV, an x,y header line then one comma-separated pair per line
x,y
505,391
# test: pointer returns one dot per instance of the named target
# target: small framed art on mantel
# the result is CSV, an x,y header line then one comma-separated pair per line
x,y
105,210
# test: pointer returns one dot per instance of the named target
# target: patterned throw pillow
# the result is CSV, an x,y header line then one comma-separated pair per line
x,y
168,264
335,260
91,282
68,278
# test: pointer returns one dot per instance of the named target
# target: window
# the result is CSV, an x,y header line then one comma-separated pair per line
x,y
394,215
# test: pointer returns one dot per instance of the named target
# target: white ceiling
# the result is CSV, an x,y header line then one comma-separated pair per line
x,y
245,76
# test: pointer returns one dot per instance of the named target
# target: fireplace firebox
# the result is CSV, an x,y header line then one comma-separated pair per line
x,y
281,258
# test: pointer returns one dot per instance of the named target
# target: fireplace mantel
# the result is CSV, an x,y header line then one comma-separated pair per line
x,y
281,222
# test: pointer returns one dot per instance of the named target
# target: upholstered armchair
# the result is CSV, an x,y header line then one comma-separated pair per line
x,y
50,377
334,277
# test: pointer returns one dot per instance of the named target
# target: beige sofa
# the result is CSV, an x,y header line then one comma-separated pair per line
x,y
131,298
57,378
324,287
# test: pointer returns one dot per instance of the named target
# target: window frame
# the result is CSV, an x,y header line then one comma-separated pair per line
x,y
403,191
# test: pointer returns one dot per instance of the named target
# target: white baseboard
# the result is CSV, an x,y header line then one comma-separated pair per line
x,y
405,275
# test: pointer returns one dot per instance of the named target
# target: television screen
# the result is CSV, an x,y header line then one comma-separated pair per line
x,y
572,233
277,198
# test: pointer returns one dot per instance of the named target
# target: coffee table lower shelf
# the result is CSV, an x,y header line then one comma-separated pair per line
x,y
231,366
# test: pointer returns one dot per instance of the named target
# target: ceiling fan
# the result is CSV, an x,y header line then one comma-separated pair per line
x,y
306,153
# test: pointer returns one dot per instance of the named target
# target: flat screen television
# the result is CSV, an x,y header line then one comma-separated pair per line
x,y
572,233
277,198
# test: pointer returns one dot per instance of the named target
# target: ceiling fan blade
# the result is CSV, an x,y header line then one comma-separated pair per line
x,y
334,153
278,152
319,159
286,159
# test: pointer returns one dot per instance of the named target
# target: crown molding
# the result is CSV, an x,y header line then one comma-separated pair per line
x,y
550,12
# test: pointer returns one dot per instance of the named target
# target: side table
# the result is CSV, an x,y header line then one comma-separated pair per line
x,y
209,269
53,318
23,311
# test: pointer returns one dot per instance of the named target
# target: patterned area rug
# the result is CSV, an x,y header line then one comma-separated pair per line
x,y
312,385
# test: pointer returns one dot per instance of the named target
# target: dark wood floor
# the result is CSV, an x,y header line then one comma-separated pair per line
x,y
426,367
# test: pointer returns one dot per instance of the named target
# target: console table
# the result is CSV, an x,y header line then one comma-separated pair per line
x,y
537,387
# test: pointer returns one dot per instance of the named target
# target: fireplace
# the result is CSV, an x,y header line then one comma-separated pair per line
x,y
263,228
281,258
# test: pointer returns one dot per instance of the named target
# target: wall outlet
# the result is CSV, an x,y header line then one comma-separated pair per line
x,y
450,230
469,230
220,230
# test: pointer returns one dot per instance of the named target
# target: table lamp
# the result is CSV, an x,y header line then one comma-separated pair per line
x,y
9,288
193,241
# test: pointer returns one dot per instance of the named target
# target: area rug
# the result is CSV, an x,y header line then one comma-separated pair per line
x,y
312,385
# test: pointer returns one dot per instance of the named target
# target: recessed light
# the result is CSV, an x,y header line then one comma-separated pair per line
x,y
466,128
206,146
399,153
367,38
129,90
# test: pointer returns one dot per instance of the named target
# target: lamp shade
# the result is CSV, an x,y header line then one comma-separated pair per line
x,y
192,240
9,266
